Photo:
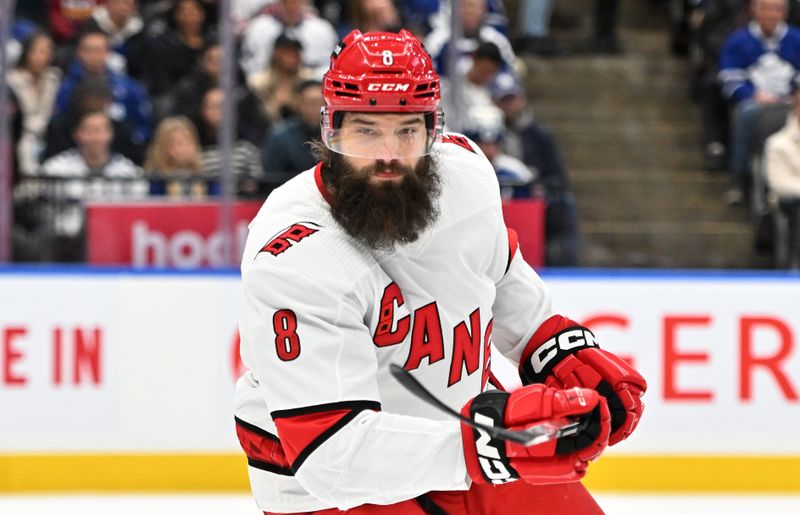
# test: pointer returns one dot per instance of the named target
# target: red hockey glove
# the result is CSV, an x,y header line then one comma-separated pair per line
x,y
563,354
494,460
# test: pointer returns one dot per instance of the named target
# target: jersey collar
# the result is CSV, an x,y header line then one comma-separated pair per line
x,y
321,184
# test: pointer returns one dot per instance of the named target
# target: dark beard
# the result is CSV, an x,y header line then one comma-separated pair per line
x,y
380,215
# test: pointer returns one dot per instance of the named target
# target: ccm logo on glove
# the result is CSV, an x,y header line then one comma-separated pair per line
x,y
564,354
490,459
489,453
569,340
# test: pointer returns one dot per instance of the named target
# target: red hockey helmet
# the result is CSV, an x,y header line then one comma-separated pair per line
x,y
380,72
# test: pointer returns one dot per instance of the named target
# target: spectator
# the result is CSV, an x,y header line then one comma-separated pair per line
x,y
244,10
188,95
35,82
335,11
188,92
91,94
535,27
418,15
89,171
712,22
474,85
372,16
275,86
13,113
121,22
782,167
475,30
92,154
495,13
286,152
527,140
67,17
484,125
174,161
294,18
176,52
23,244
758,67
245,163
21,30
130,100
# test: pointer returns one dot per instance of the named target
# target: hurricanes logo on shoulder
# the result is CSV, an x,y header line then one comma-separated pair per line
x,y
289,237
461,141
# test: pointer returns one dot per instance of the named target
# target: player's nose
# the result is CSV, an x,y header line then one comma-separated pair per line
x,y
387,149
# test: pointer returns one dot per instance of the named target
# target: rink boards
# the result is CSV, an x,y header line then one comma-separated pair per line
x,y
123,380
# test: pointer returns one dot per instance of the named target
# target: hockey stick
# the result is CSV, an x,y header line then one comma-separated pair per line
x,y
532,435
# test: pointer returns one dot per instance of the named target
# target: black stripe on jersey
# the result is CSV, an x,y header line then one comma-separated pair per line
x,y
355,408
428,506
255,429
262,465
322,438
331,406
269,467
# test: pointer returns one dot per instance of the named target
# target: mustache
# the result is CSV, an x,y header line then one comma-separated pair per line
x,y
393,166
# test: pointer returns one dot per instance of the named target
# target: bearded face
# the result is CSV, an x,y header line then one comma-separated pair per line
x,y
384,202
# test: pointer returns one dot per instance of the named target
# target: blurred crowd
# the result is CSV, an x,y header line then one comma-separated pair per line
x,y
122,100
744,57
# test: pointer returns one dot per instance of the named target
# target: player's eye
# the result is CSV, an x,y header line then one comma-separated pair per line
x,y
408,131
365,131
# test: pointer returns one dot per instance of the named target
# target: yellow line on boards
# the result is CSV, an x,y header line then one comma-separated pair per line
x,y
695,474
228,473
124,472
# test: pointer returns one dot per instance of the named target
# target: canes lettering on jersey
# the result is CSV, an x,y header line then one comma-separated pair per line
x,y
466,347
427,337
387,332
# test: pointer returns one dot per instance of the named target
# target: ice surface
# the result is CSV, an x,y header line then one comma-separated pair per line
x,y
184,504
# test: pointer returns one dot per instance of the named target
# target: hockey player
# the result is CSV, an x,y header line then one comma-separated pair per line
x,y
393,250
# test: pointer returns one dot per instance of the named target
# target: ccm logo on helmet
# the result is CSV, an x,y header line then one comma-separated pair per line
x,y
377,86
488,455
568,341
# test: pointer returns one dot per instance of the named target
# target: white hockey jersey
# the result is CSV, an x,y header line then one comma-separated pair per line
x,y
321,419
